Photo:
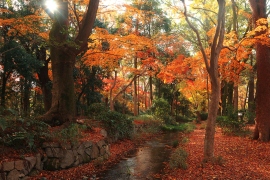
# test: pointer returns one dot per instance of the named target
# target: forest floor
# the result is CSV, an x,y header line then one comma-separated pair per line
x,y
238,158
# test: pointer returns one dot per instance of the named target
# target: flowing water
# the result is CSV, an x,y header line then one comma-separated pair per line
x,y
144,162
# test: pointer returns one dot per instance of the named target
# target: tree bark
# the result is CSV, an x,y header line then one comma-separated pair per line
x,y
251,95
262,129
26,97
235,97
63,52
135,95
212,69
151,91
111,92
5,76
224,95
216,47
44,79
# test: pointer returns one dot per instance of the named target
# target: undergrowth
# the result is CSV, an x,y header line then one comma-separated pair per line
x,y
184,127
178,159
21,133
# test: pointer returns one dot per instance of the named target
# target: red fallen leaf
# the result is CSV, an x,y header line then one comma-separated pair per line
x,y
243,158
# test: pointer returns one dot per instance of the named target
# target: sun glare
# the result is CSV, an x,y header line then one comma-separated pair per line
x,y
51,5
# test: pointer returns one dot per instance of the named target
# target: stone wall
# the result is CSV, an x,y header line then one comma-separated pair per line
x,y
62,156
13,170
56,156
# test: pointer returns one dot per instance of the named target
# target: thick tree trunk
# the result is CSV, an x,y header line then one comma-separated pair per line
x,y
63,101
63,52
262,129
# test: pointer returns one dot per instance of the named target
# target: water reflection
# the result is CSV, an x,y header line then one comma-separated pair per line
x,y
143,163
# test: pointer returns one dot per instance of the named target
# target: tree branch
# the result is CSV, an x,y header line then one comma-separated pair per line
x,y
198,37
87,24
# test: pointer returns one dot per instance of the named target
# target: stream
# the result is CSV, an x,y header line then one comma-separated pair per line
x,y
143,162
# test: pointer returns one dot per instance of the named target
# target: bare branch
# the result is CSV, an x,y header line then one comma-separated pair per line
x,y
198,38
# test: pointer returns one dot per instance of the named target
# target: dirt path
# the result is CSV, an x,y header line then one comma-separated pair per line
x,y
243,159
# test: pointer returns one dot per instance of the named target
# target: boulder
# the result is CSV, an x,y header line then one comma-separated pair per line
x,y
68,159
38,162
19,165
32,160
88,144
8,166
14,175
95,152
52,164
104,133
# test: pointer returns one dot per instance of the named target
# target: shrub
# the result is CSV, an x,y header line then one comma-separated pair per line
x,y
182,119
96,109
117,125
175,143
160,108
150,123
23,133
178,159
169,120
70,134
230,124
204,116
250,117
184,127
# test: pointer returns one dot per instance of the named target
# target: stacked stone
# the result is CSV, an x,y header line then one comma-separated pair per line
x,y
62,156
56,156
20,168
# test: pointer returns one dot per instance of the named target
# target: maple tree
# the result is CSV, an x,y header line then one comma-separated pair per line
x,y
136,54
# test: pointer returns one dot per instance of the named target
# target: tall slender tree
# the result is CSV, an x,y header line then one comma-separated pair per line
x,y
212,69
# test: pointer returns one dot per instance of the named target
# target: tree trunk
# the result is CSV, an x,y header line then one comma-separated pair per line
x,y
63,101
151,91
111,92
212,69
230,94
44,79
251,96
262,129
211,120
3,89
26,98
235,97
63,52
224,95
135,95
